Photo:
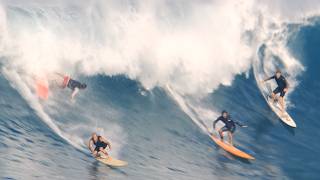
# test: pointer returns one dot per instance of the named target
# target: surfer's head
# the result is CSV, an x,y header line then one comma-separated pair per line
x,y
83,86
278,73
94,137
100,138
224,113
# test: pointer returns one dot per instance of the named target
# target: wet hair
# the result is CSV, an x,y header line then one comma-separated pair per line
x,y
83,86
224,111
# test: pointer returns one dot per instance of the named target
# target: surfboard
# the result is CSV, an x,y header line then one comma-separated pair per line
x,y
42,89
283,116
112,162
231,149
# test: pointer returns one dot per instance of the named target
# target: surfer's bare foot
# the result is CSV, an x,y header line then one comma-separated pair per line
x,y
102,155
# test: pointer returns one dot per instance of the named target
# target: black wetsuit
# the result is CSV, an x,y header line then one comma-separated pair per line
x,y
99,144
72,84
230,125
282,84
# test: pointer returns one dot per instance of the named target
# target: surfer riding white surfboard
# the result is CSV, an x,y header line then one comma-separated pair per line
x,y
282,89
277,103
74,85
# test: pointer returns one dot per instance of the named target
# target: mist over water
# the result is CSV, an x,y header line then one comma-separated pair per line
x,y
158,74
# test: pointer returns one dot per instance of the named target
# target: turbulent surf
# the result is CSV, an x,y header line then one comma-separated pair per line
x,y
158,73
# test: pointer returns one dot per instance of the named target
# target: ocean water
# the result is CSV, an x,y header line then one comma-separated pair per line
x,y
158,74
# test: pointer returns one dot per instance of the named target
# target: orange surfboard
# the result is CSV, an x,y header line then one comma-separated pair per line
x,y
42,89
231,149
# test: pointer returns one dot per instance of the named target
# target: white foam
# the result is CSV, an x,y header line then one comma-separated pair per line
x,y
193,47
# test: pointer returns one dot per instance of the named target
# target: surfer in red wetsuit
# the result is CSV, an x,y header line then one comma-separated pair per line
x,y
72,84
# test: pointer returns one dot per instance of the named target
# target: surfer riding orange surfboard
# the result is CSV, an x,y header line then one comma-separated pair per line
x,y
229,127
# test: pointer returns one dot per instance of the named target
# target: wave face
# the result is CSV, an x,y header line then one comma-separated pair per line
x,y
158,74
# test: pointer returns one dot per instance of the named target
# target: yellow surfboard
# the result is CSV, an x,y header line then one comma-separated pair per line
x,y
231,149
112,162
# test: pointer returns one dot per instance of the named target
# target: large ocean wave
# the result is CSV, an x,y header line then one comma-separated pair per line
x,y
146,62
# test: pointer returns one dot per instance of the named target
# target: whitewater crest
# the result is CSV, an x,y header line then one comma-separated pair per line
x,y
194,47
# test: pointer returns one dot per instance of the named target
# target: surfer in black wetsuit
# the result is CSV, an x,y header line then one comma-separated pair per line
x,y
72,84
282,88
229,125
98,144
75,86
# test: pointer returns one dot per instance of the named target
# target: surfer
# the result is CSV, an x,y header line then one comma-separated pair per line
x,y
229,125
72,84
98,145
282,88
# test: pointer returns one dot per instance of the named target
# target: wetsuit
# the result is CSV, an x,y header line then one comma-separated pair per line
x,y
230,125
99,144
72,84
282,84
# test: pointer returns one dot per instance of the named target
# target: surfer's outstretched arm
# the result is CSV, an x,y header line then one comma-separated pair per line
x,y
239,124
267,79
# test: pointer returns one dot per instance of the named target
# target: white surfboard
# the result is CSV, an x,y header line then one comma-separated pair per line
x,y
275,106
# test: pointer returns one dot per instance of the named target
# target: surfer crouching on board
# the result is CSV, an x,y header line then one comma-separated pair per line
x,y
282,88
72,84
98,145
229,125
